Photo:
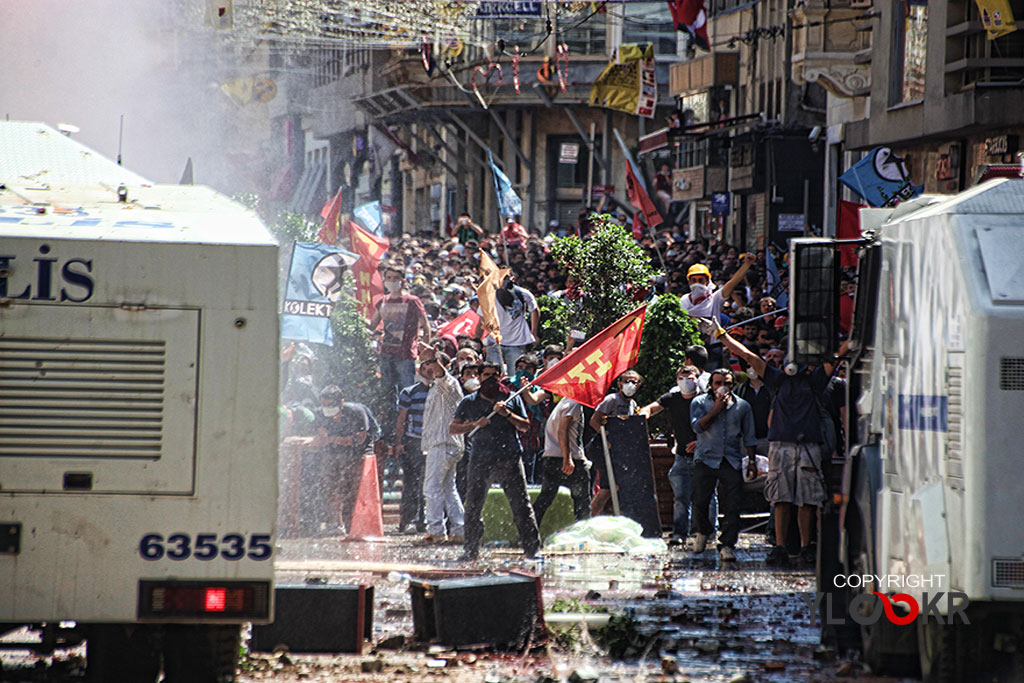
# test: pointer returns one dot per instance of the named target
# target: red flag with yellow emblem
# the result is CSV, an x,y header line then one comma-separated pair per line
x,y
586,373
369,284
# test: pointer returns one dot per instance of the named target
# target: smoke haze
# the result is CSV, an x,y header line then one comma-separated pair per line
x,y
87,62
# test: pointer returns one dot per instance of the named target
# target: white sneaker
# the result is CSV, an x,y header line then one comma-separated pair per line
x,y
726,554
700,543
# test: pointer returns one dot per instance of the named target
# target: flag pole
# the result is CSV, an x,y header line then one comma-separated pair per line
x,y
494,412
611,475
750,320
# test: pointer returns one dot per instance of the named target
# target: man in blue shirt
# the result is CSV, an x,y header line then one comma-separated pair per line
x,y
409,451
724,425
495,456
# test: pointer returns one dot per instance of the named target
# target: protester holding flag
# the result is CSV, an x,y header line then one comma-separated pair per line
x,y
495,457
619,404
514,234
518,319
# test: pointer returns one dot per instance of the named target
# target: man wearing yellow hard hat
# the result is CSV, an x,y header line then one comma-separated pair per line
x,y
703,301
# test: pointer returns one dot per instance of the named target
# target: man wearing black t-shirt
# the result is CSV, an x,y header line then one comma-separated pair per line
x,y
677,402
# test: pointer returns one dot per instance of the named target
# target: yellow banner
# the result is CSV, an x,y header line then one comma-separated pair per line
x,y
996,17
627,83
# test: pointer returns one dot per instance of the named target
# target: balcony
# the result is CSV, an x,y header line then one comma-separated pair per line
x,y
829,49
718,68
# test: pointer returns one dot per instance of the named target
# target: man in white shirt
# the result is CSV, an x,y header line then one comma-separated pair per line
x,y
704,302
443,450
518,320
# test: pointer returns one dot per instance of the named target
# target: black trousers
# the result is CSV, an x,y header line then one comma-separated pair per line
x,y
578,484
330,484
730,489
410,510
509,473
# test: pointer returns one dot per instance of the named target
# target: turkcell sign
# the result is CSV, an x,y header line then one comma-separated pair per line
x,y
509,8
49,279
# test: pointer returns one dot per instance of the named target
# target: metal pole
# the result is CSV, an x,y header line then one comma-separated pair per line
x,y
493,413
589,198
611,475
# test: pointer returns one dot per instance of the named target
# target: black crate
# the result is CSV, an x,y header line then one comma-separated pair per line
x,y
318,619
499,611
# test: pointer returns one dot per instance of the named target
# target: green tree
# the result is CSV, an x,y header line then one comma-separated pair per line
x,y
556,319
609,269
352,363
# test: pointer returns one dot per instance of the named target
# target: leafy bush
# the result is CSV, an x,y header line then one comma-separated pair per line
x,y
610,269
353,363
556,316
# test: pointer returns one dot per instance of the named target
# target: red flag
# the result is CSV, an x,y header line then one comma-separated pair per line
x,y
365,243
690,16
586,373
330,212
369,283
468,324
639,199
848,228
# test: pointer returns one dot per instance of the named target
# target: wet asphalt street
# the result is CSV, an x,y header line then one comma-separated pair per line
x,y
693,617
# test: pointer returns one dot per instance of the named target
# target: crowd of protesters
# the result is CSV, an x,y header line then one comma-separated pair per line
x,y
451,424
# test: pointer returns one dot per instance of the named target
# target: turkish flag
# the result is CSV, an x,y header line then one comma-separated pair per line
x,y
468,324
586,373
369,283
848,228
639,198
690,16
329,230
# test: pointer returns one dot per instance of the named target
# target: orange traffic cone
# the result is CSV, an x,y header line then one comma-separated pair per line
x,y
368,516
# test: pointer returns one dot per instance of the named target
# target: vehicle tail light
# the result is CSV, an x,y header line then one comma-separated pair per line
x,y
204,600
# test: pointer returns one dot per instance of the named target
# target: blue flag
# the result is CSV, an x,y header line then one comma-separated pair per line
x,y
881,178
509,203
370,216
775,288
315,279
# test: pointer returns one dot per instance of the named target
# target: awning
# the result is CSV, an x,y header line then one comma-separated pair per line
x,y
310,184
654,141
991,171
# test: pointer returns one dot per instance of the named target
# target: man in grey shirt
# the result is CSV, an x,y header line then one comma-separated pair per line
x,y
563,461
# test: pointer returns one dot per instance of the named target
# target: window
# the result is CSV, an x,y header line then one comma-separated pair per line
x,y
585,32
649,22
568,156
972,59
910,50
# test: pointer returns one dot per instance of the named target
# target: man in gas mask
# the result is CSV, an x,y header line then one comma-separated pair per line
x,y
331,476
724,425
677,402
704,301
620,403
495,457
518,321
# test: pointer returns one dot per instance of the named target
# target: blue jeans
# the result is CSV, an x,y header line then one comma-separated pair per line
x,y
510,354
680,476
397,373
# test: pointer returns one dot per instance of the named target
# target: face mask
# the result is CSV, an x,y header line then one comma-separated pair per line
x,y
698,292
552,362
489,388
629,388
687,386
426,380
393,286
330,411
471,384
